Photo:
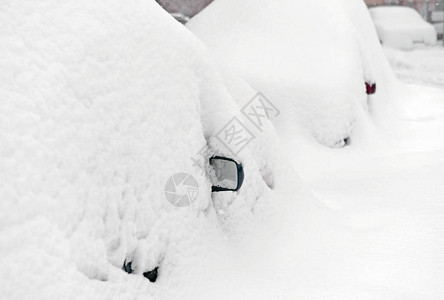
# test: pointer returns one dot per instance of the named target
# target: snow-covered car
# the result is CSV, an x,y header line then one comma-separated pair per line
x,y
401,27
109,115
314,72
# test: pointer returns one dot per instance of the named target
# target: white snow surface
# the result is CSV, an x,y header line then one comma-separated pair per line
x,y
103,101
423,65
401,27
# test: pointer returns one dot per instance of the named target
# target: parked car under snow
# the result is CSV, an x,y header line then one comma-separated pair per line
x,y
402,27
318,78
104,104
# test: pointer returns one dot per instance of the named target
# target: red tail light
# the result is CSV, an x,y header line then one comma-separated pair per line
x,y
370,88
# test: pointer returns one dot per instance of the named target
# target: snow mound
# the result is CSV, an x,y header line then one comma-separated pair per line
x,y
102,102
401,27
310,59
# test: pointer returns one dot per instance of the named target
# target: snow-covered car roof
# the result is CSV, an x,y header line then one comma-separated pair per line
x,y
400,27
395,14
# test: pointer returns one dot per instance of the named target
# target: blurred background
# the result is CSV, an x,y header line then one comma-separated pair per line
x,y
431,11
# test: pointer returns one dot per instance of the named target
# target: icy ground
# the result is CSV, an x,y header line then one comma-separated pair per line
x,y
423,65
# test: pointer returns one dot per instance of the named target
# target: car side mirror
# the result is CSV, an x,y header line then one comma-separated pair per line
x,y
228,175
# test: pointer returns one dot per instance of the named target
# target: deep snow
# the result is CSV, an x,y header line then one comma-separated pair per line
x,y
87,144
101,103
